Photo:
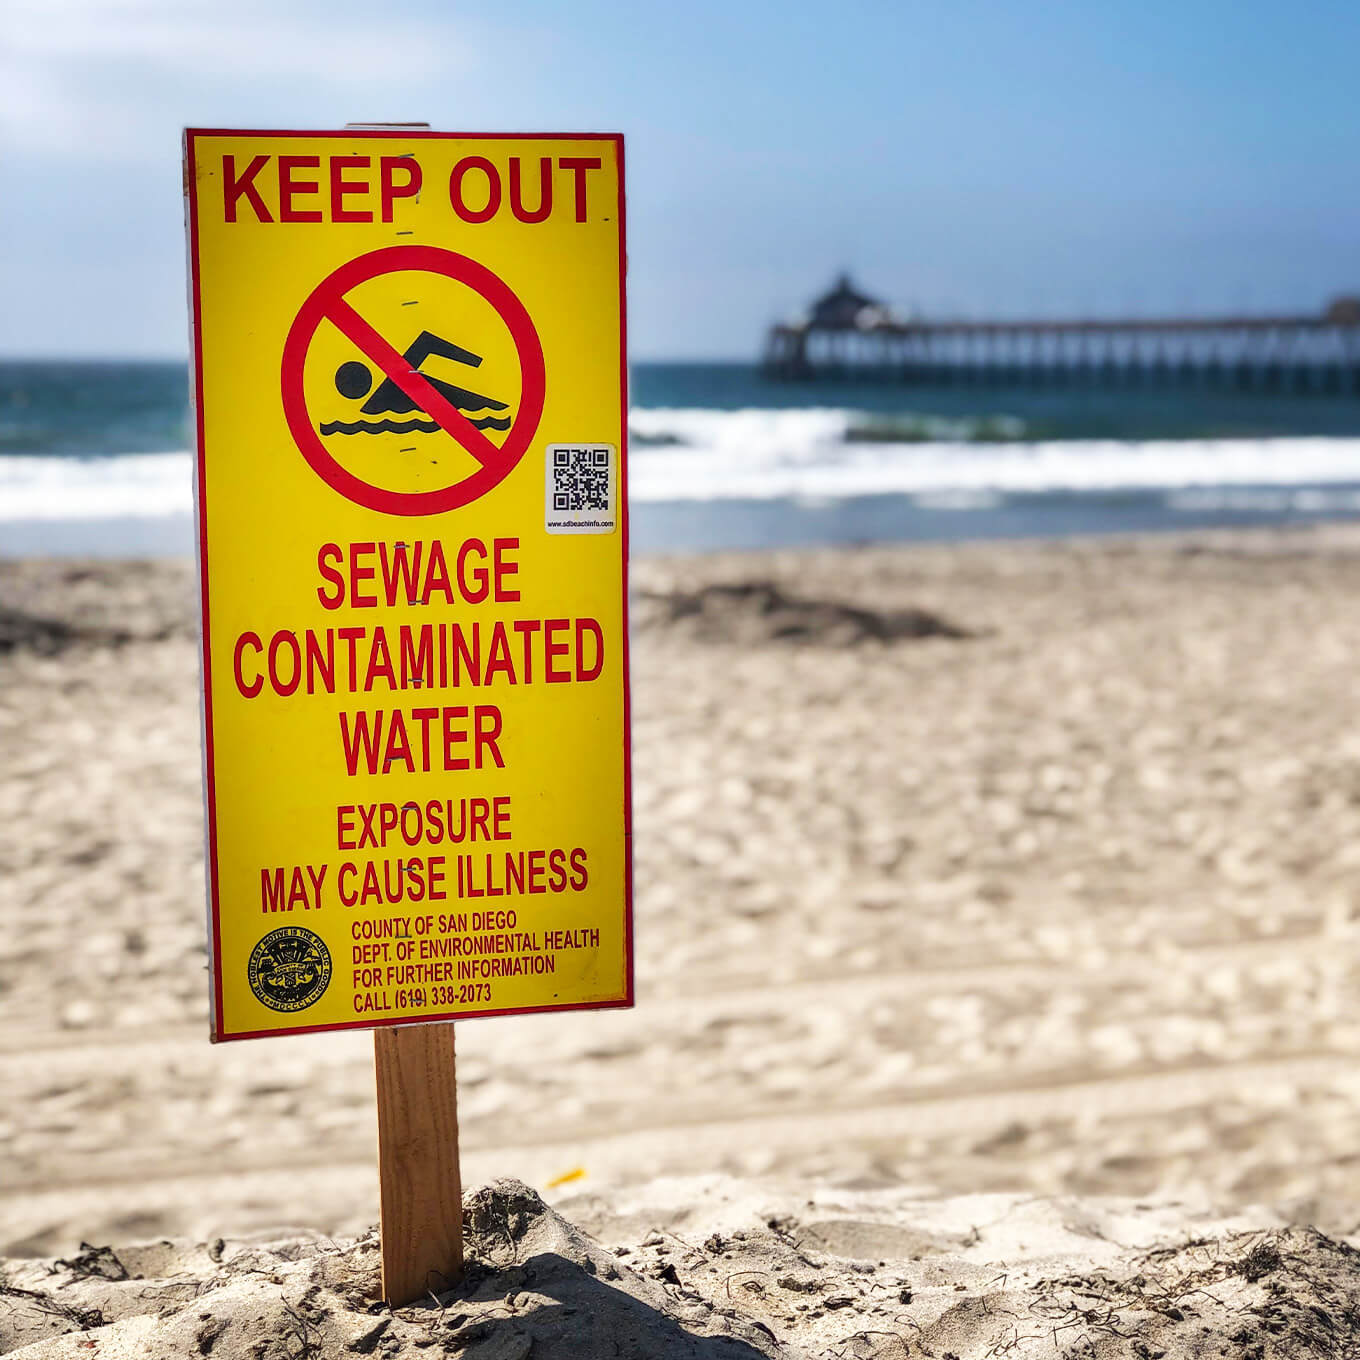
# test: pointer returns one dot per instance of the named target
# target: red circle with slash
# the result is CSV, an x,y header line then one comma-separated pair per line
x,y
327,303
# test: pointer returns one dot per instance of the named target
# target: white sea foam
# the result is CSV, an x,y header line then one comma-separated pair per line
x,y
143,485
803,454
763,454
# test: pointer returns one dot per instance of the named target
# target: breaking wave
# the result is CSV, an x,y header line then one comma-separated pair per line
x,y
761,454
139,485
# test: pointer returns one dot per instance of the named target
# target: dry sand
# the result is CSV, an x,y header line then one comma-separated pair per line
x,y
993,872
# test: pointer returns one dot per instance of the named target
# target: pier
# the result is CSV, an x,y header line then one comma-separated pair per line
x,y
849,335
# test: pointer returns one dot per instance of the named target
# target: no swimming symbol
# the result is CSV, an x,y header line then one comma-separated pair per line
x,y
406,389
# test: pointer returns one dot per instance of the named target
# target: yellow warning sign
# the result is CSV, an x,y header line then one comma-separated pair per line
x,y
410,390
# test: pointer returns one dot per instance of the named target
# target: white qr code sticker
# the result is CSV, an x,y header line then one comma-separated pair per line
x,y
581,492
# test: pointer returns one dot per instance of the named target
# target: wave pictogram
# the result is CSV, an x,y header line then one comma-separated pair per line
x,y
406,426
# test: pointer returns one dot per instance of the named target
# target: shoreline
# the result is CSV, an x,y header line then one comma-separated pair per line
x,y
888,521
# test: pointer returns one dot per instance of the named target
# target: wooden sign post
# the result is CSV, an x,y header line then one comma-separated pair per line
x,y
418,1177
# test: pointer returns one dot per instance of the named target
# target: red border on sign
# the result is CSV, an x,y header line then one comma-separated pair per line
x,y
200,529
327,303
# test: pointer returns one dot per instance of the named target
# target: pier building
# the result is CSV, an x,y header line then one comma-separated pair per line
x,y
847,334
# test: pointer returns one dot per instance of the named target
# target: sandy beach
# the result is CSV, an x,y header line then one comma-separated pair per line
x,y
991,884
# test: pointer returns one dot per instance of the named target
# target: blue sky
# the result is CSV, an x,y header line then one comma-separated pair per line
x,y
967,156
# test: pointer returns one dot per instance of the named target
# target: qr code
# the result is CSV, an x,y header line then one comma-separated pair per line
x,y
580,496
580,478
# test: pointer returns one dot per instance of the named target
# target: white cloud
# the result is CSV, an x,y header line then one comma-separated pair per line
x,y
118,78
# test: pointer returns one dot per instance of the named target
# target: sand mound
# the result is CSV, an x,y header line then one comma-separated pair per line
x,y
534,1284
855,1276
93,604
755,612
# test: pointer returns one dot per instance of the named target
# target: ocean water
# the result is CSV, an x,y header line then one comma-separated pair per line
x,y
94,458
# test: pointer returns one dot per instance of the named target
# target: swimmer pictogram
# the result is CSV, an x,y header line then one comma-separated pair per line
x,y
354,380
